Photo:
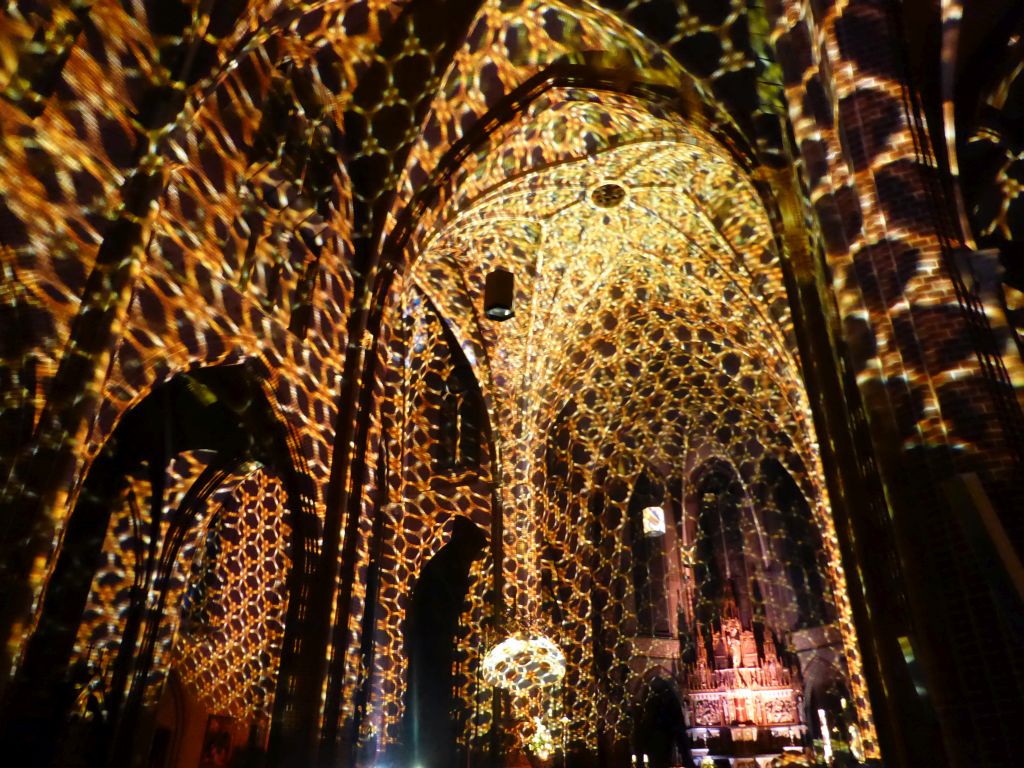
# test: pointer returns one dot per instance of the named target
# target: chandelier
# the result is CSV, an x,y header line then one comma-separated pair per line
x,y
523,662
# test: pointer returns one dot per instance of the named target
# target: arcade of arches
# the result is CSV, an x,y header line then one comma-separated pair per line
x,y
511,383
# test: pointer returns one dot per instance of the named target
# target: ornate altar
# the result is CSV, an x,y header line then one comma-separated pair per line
x,y
742,701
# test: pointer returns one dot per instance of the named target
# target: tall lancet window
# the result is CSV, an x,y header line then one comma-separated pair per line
x,y
721,564
461,422
650,577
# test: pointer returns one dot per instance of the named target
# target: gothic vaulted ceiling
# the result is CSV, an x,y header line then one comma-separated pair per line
x,y
648,291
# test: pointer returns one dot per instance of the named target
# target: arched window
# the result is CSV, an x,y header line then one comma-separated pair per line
x,y
461,422
798,542
720,564
650,577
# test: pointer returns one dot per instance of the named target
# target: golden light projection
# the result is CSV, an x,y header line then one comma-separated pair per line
x,y
229,649
130,538
224,606
190,188
651,330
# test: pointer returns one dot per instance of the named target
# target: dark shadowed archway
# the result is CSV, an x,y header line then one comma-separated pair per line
x,y
64,706
431,623
660,730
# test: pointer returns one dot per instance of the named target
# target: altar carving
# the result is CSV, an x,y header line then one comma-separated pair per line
x,y
739,691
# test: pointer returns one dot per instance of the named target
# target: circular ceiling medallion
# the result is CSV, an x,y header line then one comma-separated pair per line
x,y
608,195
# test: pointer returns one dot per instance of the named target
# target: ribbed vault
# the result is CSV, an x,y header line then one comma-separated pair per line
x,y
675,288
652,330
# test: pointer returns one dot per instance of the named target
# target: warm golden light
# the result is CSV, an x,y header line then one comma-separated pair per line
x,y
524,663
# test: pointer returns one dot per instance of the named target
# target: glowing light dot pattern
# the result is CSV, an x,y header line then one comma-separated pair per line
x,y
243,244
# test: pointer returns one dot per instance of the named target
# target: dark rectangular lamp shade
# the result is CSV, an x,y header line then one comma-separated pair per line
x,y
499,291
